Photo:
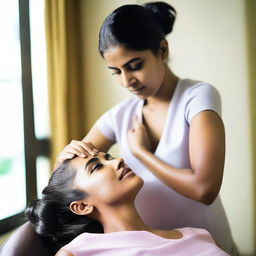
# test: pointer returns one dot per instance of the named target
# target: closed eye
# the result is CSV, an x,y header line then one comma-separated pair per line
x,y
96,167
117,72
132,65
108,157
135,67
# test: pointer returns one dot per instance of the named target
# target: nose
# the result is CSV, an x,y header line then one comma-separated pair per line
x,y
118,163
127,80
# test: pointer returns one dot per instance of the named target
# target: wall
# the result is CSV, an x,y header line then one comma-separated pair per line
x,y
209,43
97,77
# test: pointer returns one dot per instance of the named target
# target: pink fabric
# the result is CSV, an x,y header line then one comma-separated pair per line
x,y
143,243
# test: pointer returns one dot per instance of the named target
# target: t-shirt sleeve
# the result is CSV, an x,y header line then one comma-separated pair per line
x,y
105,124
113,124
202,97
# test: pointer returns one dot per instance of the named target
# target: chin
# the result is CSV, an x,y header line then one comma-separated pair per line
x,y
140,184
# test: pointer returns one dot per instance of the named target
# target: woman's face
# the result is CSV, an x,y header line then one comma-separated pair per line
x,y
106,180
141,72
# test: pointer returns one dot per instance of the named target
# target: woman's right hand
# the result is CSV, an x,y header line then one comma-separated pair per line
x,y
76,148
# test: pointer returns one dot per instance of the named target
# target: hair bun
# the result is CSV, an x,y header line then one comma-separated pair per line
x,y
165,14
40,213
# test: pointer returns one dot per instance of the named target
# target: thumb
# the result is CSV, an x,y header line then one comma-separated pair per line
x,y
136,121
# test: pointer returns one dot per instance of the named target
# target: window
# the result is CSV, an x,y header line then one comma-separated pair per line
x,y
24,165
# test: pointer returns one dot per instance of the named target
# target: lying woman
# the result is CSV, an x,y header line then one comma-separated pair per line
x,y
88,209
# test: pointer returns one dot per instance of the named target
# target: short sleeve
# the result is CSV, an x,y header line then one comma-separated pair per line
x,y
202,97
105,124
113,122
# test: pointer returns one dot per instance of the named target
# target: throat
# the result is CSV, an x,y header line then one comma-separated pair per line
x,y
123,219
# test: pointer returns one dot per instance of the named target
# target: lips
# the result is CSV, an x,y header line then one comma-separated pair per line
x,y
137,90
124,171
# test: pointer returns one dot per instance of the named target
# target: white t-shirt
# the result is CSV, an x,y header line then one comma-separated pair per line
x,y
159,206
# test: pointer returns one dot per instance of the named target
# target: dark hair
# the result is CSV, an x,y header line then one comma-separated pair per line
x,y
51,216
137,27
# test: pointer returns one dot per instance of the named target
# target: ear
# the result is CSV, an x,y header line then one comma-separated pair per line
x,y
164,50
81,207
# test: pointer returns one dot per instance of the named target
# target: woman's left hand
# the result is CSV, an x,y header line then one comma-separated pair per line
x,y
137,137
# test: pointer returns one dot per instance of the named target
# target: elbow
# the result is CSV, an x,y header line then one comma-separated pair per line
x,y
207,199
207,196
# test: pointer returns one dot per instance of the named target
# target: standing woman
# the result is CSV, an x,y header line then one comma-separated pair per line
x,y
171,133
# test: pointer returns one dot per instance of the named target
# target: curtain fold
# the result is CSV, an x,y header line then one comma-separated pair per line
x,y
64,66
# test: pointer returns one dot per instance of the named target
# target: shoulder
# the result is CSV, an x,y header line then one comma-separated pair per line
x,y
197,96
63,252
193,87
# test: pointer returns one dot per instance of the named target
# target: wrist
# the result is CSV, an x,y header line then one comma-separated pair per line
x,y
140,152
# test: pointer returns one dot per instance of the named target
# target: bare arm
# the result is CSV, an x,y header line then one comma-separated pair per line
x,y
207,153
98,139
93,142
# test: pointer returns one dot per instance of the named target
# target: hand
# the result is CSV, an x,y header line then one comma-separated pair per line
x,y
76,148
137,137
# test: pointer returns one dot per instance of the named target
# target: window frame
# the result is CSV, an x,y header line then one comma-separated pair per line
x,y
33,147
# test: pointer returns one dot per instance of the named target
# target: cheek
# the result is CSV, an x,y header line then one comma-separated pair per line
x,y
154,74
104,189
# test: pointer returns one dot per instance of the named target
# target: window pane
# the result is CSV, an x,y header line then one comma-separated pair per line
x,y
12,163
38,59
42,173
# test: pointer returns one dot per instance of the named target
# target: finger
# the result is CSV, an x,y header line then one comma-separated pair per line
x,y
137,122
131,131
76,149
92,147
64,156
136,118
82,147
89,147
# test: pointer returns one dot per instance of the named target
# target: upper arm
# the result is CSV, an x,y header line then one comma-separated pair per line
x,y
63,252
207,150
98,139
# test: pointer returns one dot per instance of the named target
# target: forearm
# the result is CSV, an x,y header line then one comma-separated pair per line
x,y
184,181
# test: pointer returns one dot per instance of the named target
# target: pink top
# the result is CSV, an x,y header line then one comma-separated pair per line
x,y
139,243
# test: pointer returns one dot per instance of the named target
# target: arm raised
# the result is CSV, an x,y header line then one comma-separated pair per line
x,y
93,142
207,153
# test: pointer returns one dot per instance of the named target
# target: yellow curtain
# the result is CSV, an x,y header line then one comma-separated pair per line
x,y
64,66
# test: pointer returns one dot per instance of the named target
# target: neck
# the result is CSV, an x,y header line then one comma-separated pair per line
x,y
165,93
122,218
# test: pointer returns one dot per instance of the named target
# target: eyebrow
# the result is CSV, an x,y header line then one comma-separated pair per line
x,y
127,63
94,159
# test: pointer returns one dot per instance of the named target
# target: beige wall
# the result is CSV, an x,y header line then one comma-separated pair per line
x,y
98,80
209,43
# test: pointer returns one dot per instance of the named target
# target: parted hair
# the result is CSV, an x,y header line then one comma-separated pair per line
x,y
137,27
51,216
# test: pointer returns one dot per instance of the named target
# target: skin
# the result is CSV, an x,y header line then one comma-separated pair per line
x,y
155,83
109,199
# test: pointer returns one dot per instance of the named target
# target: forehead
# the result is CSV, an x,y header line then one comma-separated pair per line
x,y
82,161
119,54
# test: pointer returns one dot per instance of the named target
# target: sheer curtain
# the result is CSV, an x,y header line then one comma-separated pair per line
x,y
64,66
